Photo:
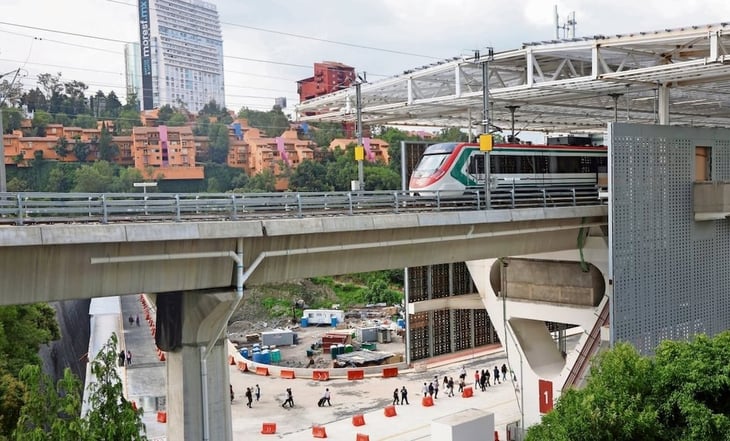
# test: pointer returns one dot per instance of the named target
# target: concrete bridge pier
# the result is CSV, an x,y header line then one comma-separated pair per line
x,y
189,329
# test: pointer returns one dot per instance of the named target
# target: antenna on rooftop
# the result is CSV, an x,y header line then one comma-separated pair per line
x,y
568,27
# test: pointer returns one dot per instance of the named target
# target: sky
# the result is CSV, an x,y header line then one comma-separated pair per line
x,y
270,44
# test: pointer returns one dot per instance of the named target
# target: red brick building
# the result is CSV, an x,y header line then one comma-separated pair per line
x,y
329,76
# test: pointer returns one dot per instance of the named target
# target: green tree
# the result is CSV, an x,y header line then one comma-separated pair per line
x,y
264,182
309,176
40,121
12,119
61,177
682,393
380,177
81,149
23,329
128,118
61,147
124,182
107,149
324,133
272,123
177,120
48,412
111,416
63,119
112,106
95,178
218,136
11,401
85,121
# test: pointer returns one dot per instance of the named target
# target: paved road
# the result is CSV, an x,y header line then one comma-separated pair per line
x,y
145,379
368,397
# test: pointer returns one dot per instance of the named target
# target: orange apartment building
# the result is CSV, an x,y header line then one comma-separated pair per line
x,y
157,152
252,152
375,149
171,153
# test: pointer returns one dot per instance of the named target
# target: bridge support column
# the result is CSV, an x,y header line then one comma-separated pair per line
x,y
198,399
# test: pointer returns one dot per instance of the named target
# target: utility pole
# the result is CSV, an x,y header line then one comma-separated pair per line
x,y
3,178
359,150
485,140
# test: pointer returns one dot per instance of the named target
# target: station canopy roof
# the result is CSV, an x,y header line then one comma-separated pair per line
x,y
576,85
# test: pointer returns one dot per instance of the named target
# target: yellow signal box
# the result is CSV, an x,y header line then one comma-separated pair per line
x,y
486,143
359,153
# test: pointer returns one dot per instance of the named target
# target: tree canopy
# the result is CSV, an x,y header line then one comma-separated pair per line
x,y
682,393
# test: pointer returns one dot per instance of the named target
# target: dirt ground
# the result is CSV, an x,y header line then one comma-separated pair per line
x,y
243,335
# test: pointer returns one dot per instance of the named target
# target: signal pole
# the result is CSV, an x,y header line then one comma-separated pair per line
x,y
359,150
485,140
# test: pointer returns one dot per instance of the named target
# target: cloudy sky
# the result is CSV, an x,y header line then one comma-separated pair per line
x,y
270,44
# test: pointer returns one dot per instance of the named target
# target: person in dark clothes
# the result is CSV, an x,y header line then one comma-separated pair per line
x,y
404,395
137,320
122,357
396,397
249,397
289,399
258,392
230,386
504,372
496,375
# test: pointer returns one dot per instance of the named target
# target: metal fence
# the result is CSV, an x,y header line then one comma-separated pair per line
x,y
34,208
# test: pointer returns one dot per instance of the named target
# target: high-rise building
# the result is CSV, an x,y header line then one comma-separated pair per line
x,y
133,70
181,49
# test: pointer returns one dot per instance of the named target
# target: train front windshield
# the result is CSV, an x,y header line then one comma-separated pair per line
x,y
428,165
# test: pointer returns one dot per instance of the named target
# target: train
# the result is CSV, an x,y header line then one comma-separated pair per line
x,y
453,168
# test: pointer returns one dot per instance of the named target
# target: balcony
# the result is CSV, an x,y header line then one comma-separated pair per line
x,y
711,200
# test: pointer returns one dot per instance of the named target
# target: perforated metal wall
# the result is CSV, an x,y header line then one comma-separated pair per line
x,y
670,273
444,331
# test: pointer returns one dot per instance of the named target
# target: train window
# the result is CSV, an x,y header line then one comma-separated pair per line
x,y
569,164
476,164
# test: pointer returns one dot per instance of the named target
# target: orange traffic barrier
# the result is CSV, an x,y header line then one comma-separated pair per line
x,y
231,360
355,374
242,366
362,437
390,411
262,371
320,375
358,420
427,401
268,428
286,373
390,372
319,432
161,417
467,392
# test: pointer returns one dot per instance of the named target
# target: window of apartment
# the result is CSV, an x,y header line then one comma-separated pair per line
x,y
703,163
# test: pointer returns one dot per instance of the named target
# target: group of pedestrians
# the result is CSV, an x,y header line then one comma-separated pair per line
x,y
400,396
483,378
250,394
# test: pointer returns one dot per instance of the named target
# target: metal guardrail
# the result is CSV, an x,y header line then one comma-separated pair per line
x,y
43,208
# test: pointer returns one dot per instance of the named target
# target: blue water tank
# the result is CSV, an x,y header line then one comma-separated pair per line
x,y
304,322
257,357
244,352
333,320
401,323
